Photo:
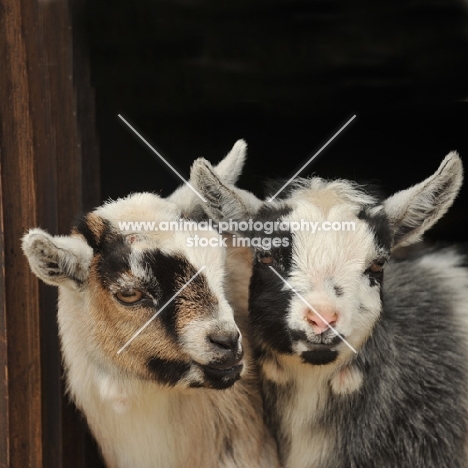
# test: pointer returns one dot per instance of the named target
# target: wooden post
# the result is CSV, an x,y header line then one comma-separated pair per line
x,y
44,91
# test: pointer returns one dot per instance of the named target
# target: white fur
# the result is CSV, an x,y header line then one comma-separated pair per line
x,y
337,256
321,260
137,422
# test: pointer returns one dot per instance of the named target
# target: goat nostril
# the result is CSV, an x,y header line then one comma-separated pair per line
x,y
332,323
321,322
225,341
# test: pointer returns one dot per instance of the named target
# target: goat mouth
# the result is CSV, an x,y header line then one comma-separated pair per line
x,y
320,346
330,342
223,371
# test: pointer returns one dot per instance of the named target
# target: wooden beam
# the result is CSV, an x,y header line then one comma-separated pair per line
x,y
43,95
21,308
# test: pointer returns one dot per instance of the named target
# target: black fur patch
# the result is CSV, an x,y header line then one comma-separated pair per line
x,y
82,225
380,226
298,335
227,450
268,301
113,259
168,372
172,273
276,397
338,290
196,385
217,383
375,279
268,304
271,212
319,357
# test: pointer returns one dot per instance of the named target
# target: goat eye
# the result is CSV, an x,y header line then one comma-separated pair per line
x,y
265,257
376,266
129,296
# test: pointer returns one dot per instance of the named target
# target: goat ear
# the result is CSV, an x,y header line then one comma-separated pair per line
x,y
58,260
413,211
228,169
223,201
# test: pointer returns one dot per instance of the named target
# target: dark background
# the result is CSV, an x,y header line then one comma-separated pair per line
x,y
194,76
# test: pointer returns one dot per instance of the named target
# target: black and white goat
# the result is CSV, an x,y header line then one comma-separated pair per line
x,y
401,401
172,397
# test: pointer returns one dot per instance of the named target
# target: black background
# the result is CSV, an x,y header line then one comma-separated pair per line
x,y
194,76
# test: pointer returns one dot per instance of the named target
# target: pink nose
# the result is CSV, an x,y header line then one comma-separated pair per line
x,y
320,323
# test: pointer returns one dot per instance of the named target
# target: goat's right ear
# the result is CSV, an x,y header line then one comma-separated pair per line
x,y
58,260
223,201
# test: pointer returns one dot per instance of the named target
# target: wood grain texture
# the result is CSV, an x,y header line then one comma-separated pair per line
x,y
42,185
4,407
23,387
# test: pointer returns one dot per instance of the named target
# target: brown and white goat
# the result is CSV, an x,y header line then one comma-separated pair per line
x,y
180,393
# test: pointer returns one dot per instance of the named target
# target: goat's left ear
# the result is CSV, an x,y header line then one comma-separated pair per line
x,y
413,211
58,260
228,170
223,201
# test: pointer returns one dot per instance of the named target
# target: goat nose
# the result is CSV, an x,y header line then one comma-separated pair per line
x,y
225,341
320,323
